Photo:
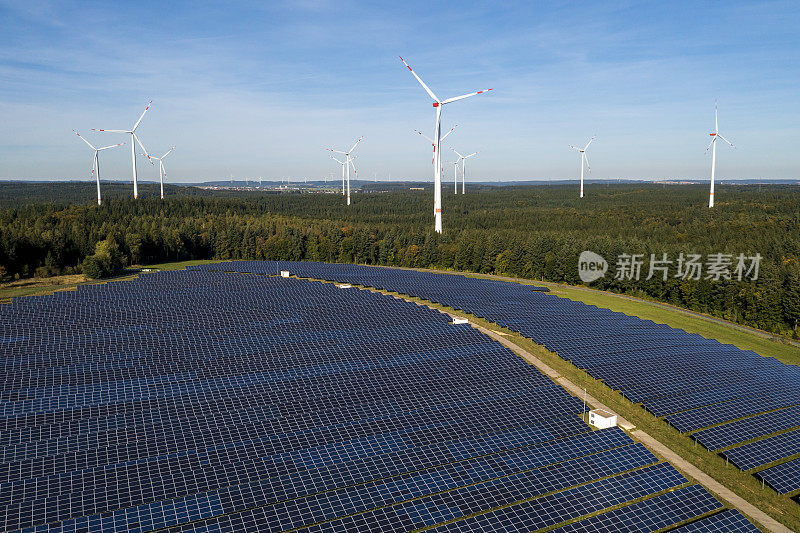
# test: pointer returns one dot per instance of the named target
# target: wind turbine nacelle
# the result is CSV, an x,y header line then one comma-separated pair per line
x,y
713,134
436,104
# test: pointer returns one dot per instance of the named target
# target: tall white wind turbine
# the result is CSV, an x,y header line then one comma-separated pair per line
x,y
584,159
132,131
96,163
437,166
463,159
348,161
713,146
161,171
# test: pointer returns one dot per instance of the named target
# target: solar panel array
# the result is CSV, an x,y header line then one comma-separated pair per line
x,y
764,451
691,381
206,401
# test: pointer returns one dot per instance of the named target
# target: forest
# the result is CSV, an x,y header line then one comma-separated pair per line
x,y
535,232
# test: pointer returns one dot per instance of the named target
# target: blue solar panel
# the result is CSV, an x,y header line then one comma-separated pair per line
x,y
728,521
784,478
650,515
764,451
749,428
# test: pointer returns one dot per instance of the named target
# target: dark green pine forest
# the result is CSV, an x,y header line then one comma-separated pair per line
x,y
534,232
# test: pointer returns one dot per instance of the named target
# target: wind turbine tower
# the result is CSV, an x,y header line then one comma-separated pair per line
x,y
584,159
713,146
463,159
132,132
347,163
437,166
96,163
162,173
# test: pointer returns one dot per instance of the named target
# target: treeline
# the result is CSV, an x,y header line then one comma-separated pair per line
x,y
531,232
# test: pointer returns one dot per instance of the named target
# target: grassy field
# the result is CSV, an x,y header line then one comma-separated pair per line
x,y
39,286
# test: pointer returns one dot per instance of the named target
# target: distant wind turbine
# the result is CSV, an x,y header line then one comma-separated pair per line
x,y
348,162
162,173
437,166
455,176
584,159
713,146
132,131
463,159
433,161
96,163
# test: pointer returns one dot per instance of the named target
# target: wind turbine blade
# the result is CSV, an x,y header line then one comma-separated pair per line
x,y
168,152
429,139
456,151
113,131
575,148
716,119
456,98
726,140
590,142
337,151
340,162
448,133
84,140
112,146
710,144
470,155
427,89
354,146
143,148
142,116
586,158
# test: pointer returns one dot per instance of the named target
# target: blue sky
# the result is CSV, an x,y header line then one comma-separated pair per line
x,y
263,88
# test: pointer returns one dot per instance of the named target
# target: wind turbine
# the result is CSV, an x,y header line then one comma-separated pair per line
x,y
437,167
463,159
348,162
132,131
96,163
713,146
161,172
433,161
455,176
584,158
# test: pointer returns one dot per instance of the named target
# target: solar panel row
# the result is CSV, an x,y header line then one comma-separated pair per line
x,y
784,478
764,451
749,428
728,521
